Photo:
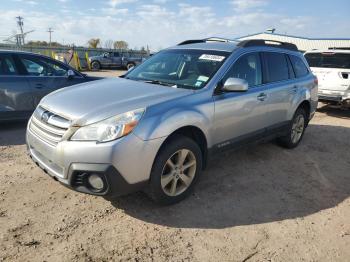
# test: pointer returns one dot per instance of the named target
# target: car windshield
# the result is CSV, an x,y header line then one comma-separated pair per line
x,y
329,60
191,69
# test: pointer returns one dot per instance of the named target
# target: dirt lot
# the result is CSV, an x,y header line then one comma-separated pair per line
x,y
262,203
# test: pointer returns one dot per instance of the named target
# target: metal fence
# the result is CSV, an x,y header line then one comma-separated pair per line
x,y
79,60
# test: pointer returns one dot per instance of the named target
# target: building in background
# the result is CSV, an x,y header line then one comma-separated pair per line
x,y
303,43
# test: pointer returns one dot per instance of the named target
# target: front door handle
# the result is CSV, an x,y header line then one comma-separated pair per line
x,y
262,97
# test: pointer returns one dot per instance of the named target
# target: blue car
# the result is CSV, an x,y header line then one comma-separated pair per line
x,y
25,78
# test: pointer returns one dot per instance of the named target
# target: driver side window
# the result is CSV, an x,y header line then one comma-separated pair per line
x,y
247,67
42,67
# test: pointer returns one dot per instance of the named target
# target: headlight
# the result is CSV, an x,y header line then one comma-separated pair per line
x,y
109,129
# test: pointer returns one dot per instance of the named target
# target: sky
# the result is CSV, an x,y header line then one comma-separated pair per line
x,y
162,23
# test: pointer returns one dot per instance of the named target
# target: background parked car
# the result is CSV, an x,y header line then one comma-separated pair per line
x,y
332,68
26,77
114,59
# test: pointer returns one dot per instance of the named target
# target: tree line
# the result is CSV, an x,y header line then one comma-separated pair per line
x,y
92,43
109,44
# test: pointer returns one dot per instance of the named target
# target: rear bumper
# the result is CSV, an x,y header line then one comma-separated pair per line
x,y
322,97
333,96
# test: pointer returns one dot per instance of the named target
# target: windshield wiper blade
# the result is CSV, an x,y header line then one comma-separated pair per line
x,y
157,82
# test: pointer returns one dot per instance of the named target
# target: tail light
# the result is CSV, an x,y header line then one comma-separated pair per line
x,y
315,80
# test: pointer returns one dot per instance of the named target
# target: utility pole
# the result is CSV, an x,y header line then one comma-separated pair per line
x,y
50,31
20,25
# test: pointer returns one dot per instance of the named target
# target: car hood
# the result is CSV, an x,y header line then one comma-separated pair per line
x,y
94,101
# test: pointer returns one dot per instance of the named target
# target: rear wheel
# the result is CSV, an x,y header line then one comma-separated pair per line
x,y
296,130
175,170
130,65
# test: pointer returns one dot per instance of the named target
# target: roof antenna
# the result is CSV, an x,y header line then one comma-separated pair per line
x,y
271,30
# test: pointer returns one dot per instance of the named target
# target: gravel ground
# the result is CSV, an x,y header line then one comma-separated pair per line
x,y
106,73
261,203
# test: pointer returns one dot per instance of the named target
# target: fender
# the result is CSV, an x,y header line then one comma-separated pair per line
x,y
303,94
158,125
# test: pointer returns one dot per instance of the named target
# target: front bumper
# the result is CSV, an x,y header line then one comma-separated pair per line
x,y
125,164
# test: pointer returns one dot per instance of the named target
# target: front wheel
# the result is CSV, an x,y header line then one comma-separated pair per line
x,y
296,130
95,65
175,170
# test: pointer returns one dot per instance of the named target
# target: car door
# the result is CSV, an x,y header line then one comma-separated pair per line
x,y
107,59
241,116
45,75
16,100
117,59
281,87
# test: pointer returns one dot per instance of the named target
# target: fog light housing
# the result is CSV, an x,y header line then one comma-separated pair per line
x,y
96,182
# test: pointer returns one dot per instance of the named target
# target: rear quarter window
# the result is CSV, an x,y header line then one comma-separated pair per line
x,y
299,66
7,65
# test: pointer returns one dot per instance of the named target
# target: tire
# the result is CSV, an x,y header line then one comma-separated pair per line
x,y
296,130
168,172
130,65
95,65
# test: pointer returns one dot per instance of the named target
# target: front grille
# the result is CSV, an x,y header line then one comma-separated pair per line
x,y
48,126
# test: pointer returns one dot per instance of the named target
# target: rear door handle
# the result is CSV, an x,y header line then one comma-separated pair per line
x,y
262,97
39,86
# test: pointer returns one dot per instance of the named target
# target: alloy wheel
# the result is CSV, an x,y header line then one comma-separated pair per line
x,y
178,172
297,128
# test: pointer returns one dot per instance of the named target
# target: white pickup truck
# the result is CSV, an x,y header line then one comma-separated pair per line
x,y
332,68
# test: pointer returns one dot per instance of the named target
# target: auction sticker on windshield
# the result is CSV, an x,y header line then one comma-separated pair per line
x,y
217,58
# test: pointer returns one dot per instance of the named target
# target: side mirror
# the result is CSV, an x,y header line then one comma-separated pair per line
x,y
235,85
70,74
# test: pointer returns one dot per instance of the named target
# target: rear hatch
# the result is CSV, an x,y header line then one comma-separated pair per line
x,y
331,68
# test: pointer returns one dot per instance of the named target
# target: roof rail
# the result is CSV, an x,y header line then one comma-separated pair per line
x,y
271,43
194,41
220,39
206,40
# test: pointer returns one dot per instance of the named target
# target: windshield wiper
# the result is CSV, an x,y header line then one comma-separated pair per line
x,y
157,82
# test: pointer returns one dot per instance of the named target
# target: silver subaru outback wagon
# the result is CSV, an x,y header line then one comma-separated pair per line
x,y
155,128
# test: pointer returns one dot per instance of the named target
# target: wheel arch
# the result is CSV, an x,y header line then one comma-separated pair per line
x,y
306,105
301,100
194,133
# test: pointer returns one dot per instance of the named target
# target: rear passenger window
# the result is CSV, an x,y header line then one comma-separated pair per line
x,y
7,65
247,67
277,67
300,68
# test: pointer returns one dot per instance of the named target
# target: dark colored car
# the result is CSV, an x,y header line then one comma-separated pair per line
x,y
25,78
114,59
